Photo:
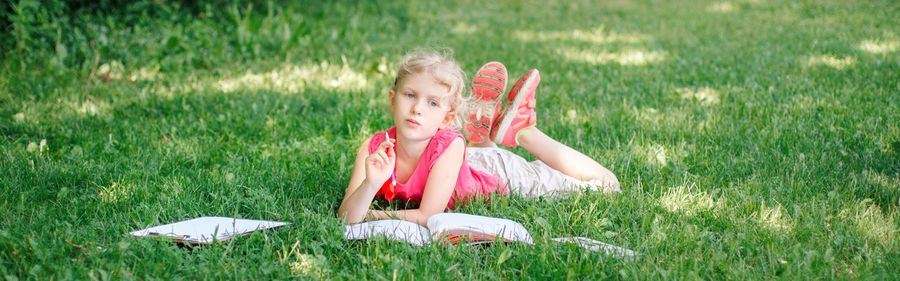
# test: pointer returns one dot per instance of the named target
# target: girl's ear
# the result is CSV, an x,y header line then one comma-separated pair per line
x,y
391,97
448,118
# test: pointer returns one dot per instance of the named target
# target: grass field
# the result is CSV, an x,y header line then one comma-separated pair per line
x,y
754,139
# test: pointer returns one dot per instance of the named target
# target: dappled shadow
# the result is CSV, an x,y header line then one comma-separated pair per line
x,y
690,202
204,141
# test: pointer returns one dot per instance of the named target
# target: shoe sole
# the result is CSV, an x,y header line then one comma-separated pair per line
x,y
487,78
479,107
514,107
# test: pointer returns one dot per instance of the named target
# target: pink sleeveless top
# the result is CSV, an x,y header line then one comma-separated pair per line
x,y
469,183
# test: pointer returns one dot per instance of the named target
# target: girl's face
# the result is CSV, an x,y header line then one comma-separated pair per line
x,y
419,107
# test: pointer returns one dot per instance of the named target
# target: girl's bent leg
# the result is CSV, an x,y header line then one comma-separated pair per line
x,y
482,144
563,158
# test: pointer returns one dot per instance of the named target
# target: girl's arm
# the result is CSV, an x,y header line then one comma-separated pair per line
x,y
359,193
438,189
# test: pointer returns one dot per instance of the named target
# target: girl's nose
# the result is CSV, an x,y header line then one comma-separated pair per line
x,y
417,107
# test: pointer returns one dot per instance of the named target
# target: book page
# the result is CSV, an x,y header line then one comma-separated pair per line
x,y
206,230
456,226
398,230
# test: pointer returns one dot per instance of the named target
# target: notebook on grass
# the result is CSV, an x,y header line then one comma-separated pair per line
x,y
206,230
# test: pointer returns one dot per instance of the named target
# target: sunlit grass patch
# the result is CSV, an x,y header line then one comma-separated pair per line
x,y
658,155
805,102
688,200
308,265
889,184
704,95
659,231
871,222
110,71
630,57
188,147
571,117
36,147
878,46
684,119
302,264
114,192
172,190
831,61
595,36
293,79
19,117
28,115
773,219
721,7
672,233
67,107
462,27
90,108
146,73
576,116
648,114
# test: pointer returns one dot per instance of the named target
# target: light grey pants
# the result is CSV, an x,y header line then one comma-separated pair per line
x,y
528,179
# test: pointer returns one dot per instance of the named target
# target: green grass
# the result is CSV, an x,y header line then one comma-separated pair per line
x,y
753,139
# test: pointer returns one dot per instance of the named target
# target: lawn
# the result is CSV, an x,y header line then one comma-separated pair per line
x,y
754,139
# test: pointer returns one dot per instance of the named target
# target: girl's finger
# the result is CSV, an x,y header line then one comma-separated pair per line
x,y
383,157
390,152
385,144
378,158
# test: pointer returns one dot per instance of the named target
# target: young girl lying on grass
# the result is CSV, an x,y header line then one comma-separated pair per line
x,y
424,159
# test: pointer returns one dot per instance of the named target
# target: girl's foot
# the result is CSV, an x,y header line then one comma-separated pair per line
x,y
519,111
487,87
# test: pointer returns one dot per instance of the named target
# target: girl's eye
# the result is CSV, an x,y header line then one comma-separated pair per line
x,y
409,95
433,103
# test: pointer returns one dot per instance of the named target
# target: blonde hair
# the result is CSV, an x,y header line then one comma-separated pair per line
x,y
444,69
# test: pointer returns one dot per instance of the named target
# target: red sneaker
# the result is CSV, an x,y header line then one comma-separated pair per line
x,y
519,111
488,85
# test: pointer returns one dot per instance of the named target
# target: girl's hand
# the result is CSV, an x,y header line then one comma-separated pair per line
x,y
380,164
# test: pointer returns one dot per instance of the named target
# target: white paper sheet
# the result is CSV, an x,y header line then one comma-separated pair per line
x,y
508,229
206,230
392,229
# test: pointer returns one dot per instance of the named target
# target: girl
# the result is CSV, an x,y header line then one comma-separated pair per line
x,y
424,159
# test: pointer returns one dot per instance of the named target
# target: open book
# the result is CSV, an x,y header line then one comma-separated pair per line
x,y
455,228
452,228
206,230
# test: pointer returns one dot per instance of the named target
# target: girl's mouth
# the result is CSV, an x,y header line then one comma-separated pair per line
x,y
412,122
